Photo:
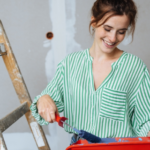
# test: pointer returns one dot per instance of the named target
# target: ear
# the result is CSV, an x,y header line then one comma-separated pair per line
x,y
92,18
93,24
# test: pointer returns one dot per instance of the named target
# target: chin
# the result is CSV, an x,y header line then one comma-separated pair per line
x,y
108,50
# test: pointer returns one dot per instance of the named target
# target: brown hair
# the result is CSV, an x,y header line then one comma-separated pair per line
x,y
114,7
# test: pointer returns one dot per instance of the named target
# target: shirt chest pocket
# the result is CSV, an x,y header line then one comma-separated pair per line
x,y
113,104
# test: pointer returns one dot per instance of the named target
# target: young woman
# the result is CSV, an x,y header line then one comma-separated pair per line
x,y
102,90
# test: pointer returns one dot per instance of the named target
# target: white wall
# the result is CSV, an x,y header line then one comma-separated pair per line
x,y
26,23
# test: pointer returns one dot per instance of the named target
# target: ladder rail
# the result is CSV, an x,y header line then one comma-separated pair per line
x,y
2,142
21,89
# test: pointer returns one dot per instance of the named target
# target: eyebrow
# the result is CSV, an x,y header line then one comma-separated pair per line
x,y
112,27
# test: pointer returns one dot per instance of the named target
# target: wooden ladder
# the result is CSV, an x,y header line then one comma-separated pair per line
x,y
23,95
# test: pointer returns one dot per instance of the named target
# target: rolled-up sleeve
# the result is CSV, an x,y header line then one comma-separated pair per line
x,y
55,90
141,116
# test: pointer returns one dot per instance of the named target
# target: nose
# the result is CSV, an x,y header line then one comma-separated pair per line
x,y
113,37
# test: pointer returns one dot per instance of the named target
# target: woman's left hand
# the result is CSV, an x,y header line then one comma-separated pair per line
x,y
148,135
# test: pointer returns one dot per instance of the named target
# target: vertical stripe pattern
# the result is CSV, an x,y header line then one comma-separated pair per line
x,y
120,107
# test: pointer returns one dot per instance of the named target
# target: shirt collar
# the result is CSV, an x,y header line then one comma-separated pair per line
x,y
116,63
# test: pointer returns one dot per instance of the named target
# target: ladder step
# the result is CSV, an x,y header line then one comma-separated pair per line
x,y
12,117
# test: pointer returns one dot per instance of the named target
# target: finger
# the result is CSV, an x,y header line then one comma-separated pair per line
x,y
52,116
41,112
57,112
48,118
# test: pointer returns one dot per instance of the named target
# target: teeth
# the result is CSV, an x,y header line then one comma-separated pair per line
x,y
109,43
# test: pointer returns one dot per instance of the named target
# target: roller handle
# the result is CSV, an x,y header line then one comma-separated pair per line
x,y
60,120
57,118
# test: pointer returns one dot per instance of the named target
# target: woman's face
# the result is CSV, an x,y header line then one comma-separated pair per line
x,y
111,33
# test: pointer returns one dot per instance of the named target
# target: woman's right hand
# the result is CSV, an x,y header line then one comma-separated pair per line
x,y
47,108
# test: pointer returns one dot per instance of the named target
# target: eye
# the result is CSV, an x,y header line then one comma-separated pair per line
x,y
122,32
107,30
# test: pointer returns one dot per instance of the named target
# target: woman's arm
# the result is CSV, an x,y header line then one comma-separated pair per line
x,y
141,116
50,101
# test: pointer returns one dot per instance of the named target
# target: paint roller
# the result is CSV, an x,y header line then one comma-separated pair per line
x,y
83,134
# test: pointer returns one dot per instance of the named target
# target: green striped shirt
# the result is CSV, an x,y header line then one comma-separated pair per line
x,y
120,107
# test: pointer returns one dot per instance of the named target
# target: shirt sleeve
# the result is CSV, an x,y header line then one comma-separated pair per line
x,y
55,90
141,116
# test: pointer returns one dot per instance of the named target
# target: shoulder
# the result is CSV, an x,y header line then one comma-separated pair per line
x,y
135,58
74,57
135,62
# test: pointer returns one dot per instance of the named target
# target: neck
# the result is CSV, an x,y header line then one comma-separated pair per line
x,y
98,54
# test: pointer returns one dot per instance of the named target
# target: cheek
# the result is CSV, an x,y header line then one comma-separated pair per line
x,y
100,33
103,33
121,37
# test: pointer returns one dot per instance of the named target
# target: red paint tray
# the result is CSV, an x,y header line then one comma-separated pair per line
x,y
141,143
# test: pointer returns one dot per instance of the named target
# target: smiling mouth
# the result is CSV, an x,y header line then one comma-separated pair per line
x,y
109,45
